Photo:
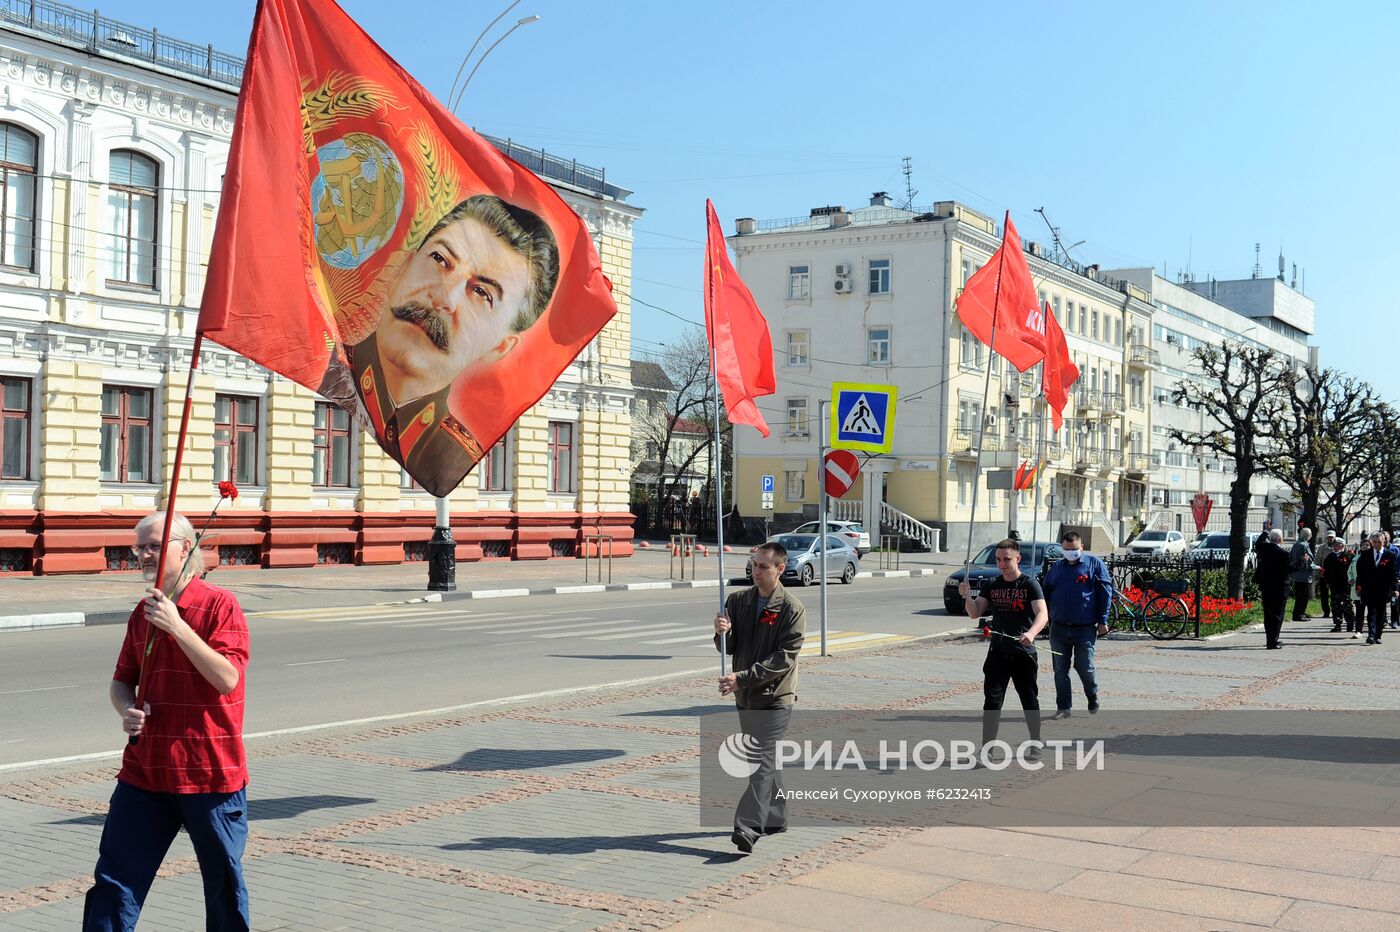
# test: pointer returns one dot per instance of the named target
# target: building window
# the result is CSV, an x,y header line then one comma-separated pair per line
x,y
877,346
1094,318
966,271
14,437
879,276
126,434
797,341
131,219
794,489
1083,320
797,417
1117,332
19,164
495,466
969,349
407,483
236,439
561,456
331,446
964,486
799,282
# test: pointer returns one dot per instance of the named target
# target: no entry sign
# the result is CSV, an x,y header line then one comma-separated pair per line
x,y
840,473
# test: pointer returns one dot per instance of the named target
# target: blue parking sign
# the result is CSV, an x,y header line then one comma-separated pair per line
x,y
767,484
862,417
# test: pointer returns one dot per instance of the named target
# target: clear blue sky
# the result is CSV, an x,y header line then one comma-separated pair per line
x,y
1177,134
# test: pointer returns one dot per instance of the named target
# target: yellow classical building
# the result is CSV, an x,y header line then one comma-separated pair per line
x,y
113,147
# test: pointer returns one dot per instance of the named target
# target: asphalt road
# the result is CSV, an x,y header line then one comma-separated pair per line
x,y
337,665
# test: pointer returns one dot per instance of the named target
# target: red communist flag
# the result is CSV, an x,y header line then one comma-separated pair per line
x,y
739,340
375,250
1003,289
1059,372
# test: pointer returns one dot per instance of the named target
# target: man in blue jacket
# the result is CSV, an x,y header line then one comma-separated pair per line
x,y
1078,592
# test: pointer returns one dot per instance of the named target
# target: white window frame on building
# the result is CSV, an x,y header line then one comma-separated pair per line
x,y
969,349
877,346
118,446
798,345
16,420
127,268
236,467
879,275
561,446
799,282
797,425
19,172
794,485
333,436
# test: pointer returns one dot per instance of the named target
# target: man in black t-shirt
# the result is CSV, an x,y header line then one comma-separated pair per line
x,y
1018,612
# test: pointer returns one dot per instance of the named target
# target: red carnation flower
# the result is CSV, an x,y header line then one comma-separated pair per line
x,y
228,490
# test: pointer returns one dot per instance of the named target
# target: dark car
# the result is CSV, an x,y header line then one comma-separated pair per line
x,y
1035,557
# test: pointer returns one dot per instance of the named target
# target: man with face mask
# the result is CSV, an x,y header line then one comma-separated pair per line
x,y
1078,591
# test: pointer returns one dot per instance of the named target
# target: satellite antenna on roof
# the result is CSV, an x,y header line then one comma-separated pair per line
x,y
1258,269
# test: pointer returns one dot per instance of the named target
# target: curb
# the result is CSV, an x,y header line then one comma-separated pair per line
x,y
79,619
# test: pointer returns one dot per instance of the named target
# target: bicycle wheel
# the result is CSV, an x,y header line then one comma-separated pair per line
x,y
1165,617
1119,617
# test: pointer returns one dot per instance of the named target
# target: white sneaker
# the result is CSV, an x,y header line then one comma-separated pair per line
x,y
1356,637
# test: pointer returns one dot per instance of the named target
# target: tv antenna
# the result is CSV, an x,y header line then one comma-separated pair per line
x,y
1060,248
909,191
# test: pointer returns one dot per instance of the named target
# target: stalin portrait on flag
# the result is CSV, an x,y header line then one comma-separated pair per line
x,y
380,253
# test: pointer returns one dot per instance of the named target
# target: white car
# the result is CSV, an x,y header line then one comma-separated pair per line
x,y
1158,543
853,533
1216,546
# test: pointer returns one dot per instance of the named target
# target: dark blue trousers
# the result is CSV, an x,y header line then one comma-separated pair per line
x,y
140,827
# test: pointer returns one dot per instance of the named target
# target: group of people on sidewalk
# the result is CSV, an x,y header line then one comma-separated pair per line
x,y
1358,588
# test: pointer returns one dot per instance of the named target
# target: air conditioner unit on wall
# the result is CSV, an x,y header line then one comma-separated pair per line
x,y
842,270
843,286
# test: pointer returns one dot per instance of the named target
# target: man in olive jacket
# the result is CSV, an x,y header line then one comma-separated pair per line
x,y
762,628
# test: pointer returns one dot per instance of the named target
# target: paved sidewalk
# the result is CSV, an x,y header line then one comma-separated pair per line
x,y
582,813
108,597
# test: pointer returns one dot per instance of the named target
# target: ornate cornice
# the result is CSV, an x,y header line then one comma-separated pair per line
x,y
119,91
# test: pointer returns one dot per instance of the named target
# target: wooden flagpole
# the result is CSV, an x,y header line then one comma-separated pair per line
x,y
141,682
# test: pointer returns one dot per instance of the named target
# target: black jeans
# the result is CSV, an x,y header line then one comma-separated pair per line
x,y
762,808
1000,668
1324,597
1302,595
1274,604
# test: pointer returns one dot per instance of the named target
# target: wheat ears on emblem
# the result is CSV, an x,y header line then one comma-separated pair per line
x,y
440,184
340,95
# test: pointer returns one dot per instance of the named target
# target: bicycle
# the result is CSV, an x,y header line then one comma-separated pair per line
x,y
1164,617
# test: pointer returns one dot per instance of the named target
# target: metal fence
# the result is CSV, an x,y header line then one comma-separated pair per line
x,y
1176,575
90,30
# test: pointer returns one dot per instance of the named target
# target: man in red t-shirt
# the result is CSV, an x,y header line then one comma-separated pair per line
x,y
188,767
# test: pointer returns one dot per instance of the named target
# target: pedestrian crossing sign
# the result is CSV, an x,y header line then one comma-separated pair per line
x,y
862,417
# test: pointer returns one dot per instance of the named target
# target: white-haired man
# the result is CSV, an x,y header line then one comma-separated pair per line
x,y
187,642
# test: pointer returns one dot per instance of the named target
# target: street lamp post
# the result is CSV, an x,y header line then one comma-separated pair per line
x,y
523,21
452,92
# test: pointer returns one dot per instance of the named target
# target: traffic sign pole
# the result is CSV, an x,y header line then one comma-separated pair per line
x,y
821,512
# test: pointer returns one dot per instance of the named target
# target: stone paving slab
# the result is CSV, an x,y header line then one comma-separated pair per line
x,y
579,815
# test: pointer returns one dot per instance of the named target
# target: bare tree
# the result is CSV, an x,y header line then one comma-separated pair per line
x,y
1325,419
686,411
1239,392
1382,461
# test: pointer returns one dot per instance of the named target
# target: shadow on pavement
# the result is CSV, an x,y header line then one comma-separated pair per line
x,y
591,844
523,759
286,807
688,712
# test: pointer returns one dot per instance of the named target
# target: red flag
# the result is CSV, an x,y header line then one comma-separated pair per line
x,y
1003,287
374,249
1059,371
743,350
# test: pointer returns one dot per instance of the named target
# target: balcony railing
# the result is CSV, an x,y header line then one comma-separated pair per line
x,y
90,30
1142,355
1086,457
1137,463
961,441
1087,400
1113,402
1113,459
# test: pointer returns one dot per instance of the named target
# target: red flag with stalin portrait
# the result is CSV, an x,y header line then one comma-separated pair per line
x,y
1059,371
375,250
739,339
1003,287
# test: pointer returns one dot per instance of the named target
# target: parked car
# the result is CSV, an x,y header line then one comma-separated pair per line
x,y
849,531
1035,556
804,558
1158,543
1216,546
